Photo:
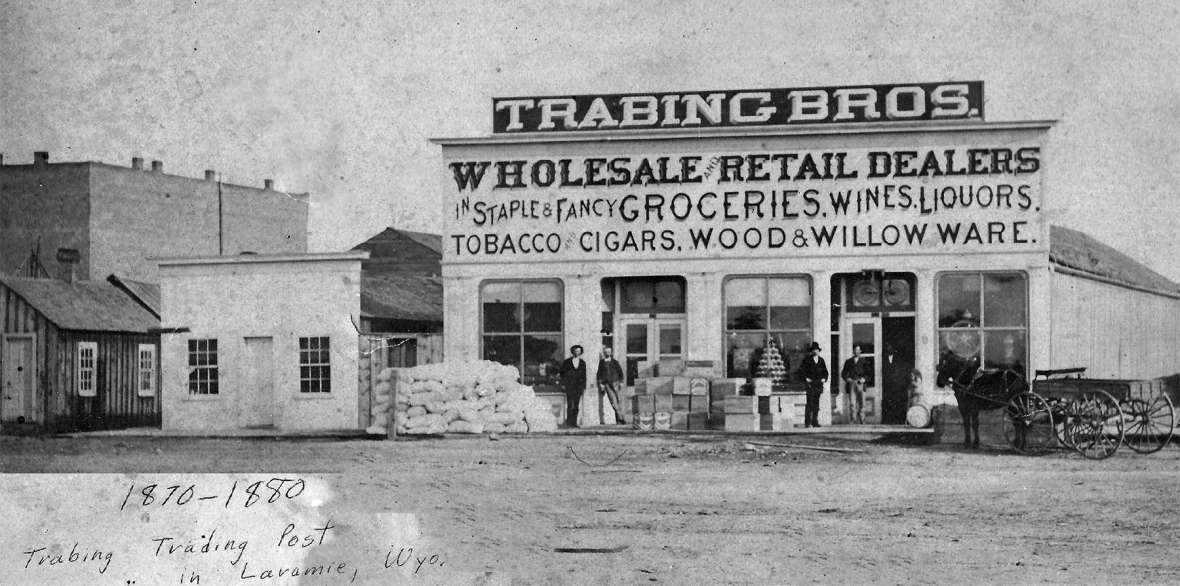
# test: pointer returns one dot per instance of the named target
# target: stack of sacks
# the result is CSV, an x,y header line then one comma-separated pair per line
x,y
382,400
468,397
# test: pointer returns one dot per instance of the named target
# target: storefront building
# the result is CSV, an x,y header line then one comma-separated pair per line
x,y
713,227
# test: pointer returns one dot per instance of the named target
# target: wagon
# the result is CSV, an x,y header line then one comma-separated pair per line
x,y
1093,416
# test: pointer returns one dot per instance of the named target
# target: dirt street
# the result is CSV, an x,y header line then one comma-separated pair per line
x,y
696,509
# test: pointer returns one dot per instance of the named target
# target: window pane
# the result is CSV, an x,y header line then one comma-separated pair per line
x,y
862,335
796,292
745,292
637,296
502,349
501,317
1005,349
637,339
542,360
790,318
964,343
1004,300
542,317
500,293
958,301
670,340
549,292
669,296
750,317
742,350
793,346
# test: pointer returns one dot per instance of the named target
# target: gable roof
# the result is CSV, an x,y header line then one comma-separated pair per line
x,y
403,251
94,306
1085,254
402,296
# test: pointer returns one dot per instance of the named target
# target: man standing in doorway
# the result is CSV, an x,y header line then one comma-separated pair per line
x,y
610,376
814,372
573,382
853,374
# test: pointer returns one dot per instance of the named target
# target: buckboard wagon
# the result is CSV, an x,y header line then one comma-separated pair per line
x,y
1093,416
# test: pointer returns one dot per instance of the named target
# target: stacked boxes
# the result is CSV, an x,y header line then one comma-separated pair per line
x,y
675,393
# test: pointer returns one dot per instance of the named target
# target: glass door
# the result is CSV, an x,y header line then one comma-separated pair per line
x,y
865,333
649,339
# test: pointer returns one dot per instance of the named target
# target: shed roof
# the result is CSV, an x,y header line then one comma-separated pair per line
x,y
147,294
402,296
95,306
1082,252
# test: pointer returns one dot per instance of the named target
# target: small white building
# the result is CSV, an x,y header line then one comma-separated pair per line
x,y
260,341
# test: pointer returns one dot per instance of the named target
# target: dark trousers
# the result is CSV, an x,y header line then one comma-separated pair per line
x,y
573,399
811,412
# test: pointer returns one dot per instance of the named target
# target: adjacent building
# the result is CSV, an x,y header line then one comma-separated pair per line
x,y
109,219
77,356
261,341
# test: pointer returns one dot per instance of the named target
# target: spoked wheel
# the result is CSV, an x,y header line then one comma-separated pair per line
x,y
1028,424
1148,423
1098,427
1064,419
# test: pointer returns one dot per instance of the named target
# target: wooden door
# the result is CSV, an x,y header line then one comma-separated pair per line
x,y
18,380
259,382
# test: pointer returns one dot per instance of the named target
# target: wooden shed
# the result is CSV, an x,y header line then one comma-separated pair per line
x,y
77,356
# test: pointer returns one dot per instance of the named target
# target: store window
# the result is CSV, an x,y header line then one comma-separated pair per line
x,y
315,365
985,315
202,367
767,326
521,326
87,361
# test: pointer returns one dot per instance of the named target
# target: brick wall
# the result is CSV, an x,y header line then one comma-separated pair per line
x,y
49,203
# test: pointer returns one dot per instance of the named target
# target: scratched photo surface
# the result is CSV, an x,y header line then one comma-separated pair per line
x,y
271,115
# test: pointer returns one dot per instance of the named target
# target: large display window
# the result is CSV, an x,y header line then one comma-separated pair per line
x,y
765,316
521,325
984,315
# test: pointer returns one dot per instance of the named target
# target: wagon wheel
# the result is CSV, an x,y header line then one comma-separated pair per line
x,y
1064,420
1028,424
1148,423
1098,429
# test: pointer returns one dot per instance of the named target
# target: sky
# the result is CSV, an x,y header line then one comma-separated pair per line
x,y
339,99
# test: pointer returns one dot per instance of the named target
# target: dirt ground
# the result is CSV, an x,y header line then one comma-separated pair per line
x,y
705,509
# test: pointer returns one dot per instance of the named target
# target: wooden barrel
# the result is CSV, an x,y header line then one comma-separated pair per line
x,y
918,416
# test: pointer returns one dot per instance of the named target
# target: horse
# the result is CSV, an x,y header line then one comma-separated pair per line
x,y
977,391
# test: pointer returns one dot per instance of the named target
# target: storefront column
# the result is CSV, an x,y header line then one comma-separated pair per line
x,y
703,330
583,325
926,346
1039,318
821,324
461,327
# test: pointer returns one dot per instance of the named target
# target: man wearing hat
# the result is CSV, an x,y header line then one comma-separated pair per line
x,y
573,382
814,372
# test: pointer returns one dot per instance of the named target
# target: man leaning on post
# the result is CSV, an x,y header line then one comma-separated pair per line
x,y
610,376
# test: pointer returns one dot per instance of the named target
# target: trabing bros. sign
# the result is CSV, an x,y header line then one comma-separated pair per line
x,y
767,107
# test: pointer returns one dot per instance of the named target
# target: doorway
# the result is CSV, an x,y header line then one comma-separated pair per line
x,y
649,339
897,361
875,310
259,383
18,381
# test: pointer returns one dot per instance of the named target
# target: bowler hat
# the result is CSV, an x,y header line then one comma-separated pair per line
x,y
814,346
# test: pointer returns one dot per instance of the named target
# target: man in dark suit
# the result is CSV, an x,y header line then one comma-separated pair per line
x,y
573,382
814,372
610,376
